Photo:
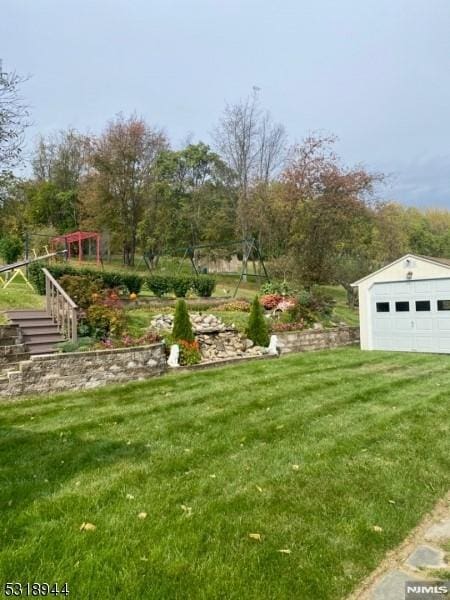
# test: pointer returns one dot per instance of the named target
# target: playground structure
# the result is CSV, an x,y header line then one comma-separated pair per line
x,y
202,253
77,237
17,268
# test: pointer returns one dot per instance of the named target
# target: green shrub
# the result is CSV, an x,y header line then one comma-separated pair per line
x,y
312,306
82,290
182,328
104,321
58,270
276,287
133,282
82,345
181,286
11,248
257,329
204,285
110,279
160,284
37,277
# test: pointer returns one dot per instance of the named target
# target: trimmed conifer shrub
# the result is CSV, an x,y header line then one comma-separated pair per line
x,y
182,328
257,330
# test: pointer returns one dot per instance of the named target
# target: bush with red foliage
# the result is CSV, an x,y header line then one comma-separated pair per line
x,y
297,326
270,301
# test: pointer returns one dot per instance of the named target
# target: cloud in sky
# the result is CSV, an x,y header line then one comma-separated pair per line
x,y
375,73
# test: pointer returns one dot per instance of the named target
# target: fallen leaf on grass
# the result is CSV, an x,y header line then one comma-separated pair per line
x,y
187,510
285,551
255,536
377,528
87,527
142,515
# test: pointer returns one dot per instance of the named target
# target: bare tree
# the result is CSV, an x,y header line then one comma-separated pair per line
x,y
272,148
62,158
13,119
253,147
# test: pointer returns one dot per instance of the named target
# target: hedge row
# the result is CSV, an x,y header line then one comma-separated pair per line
x,y
108,279
203,285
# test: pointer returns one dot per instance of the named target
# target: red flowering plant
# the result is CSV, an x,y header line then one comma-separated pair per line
x,y
111,299
280,326
286,304
127,341
189,352
270,301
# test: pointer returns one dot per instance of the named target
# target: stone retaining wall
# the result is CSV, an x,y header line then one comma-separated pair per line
x,y
86,370
317,339
12,348
83,370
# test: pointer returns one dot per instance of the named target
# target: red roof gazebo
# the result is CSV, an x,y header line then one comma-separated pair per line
x,y
77,237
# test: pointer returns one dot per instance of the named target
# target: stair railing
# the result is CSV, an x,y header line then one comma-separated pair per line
x,y
61,307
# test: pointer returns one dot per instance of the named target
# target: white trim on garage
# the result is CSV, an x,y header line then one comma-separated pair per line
x,y
399,260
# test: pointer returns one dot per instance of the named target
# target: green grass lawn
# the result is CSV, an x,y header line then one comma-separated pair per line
x,y
310,451
18,295
342,312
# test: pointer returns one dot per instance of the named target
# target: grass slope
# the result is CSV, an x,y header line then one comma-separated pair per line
x,y
18,295
209,456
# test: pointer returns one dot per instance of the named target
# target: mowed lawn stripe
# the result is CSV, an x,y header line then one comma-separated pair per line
x,y
310,451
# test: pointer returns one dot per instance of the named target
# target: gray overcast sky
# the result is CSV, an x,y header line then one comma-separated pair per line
x,y
374,72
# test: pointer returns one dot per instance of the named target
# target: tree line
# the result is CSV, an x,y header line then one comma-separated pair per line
x,y
314,219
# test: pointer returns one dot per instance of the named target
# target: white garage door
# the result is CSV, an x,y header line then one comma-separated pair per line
x,y
411,315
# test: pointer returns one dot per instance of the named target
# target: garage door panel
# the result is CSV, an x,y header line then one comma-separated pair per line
x,y
444,344
425,343
441,285
403,325
422,287
414,330
443,324
424,325
383,325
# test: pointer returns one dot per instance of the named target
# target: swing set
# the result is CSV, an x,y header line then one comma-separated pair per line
x,y
17,268
250,251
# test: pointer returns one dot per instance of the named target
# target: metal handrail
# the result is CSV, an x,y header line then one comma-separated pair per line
x,y
61,307
28,261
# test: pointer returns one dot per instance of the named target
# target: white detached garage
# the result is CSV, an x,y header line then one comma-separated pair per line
x,y
406,306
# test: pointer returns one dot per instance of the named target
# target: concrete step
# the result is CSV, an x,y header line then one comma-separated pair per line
x,y
40,333
14,315
42,348
48,338
46,329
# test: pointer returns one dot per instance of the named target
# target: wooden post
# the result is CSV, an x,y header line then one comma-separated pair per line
x,y
98,248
